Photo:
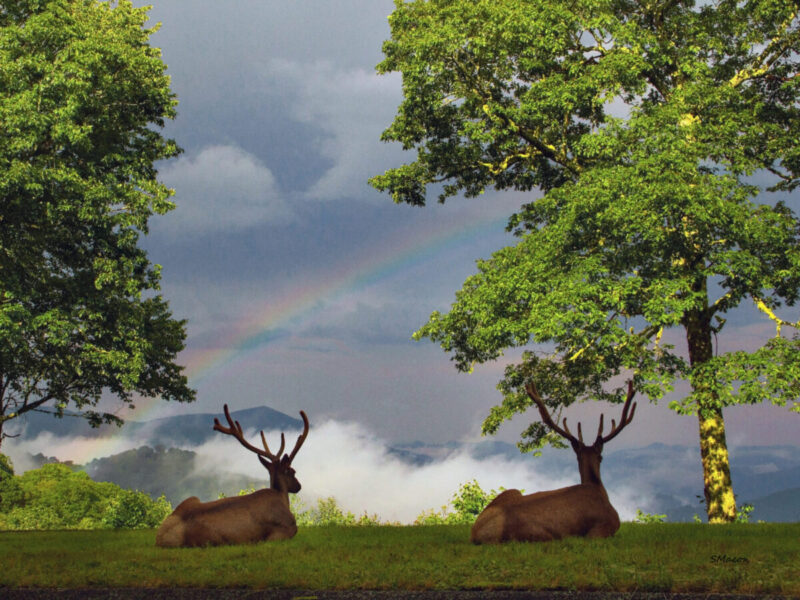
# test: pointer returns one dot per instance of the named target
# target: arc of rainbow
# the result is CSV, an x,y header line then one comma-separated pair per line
x,y
263,325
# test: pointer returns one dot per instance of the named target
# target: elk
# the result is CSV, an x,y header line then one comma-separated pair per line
x,y
578,510
262,515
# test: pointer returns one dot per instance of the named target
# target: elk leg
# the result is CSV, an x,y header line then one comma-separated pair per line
x,y
282,532
602,530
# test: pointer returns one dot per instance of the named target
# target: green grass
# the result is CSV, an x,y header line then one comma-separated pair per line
x,y
674,557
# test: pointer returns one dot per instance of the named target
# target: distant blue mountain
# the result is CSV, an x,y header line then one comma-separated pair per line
x,y
182,430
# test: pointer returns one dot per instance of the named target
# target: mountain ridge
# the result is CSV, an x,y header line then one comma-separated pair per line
x,y
192,428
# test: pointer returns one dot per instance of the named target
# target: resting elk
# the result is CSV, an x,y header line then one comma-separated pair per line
x,y
578,510
262,515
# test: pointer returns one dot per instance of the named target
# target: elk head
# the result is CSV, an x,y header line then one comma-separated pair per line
x,y
282,476
589,457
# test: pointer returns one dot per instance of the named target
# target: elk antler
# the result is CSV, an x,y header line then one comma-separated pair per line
x,y
302,437
565,432
624,418
547,419
235,429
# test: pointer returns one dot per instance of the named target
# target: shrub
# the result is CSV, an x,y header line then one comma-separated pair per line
x,y
431,517
6,468
11,492
468,502
135,510
56,497
328,512
743,514
643,517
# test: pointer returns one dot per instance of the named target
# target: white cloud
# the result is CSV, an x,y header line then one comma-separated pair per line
x,y
79,449
221,188
346,461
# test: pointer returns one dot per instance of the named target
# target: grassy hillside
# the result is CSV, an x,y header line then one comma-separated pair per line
x,y
734,559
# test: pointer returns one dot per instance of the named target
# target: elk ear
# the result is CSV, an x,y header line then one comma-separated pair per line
x,y
267,464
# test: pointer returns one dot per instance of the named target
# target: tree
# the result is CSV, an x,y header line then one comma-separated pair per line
x,y
82,96
653,219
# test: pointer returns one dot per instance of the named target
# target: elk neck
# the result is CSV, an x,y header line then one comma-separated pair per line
x,y
589,458
278,482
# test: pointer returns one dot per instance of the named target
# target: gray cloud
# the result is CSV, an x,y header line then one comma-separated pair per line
x,y
349,108
220,188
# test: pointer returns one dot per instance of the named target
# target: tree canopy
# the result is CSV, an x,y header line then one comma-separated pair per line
x,y
653,131
82,98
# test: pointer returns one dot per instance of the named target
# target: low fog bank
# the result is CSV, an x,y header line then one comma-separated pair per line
x,y
69,449
349,463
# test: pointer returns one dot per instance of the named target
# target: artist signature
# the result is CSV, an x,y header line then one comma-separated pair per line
x,y
725,559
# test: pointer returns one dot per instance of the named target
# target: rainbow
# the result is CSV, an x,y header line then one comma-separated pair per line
x,y
271,320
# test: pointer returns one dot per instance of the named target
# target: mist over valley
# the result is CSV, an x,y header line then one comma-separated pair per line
x,y
183,456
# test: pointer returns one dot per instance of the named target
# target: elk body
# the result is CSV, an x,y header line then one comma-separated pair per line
x,y
260,516
578,510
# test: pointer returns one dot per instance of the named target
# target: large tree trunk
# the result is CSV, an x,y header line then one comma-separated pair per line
x,y
717,486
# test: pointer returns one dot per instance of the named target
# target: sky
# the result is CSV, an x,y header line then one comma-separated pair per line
x,y
302,285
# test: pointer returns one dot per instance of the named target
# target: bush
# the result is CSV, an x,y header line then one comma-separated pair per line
x,y
135,510
6,468
56,497
328,512
643,517
431,517
468,502
10,490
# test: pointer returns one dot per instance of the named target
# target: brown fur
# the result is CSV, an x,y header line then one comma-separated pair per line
x,y
578,510
262,515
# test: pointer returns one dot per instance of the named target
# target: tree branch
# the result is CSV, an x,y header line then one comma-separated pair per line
x,y
774,50
779,323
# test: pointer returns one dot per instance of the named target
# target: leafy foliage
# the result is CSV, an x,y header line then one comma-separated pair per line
x,y
515,94
328,512
643,517
468,502
56,497
6,467
648,222
135,510
82,95
743,516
